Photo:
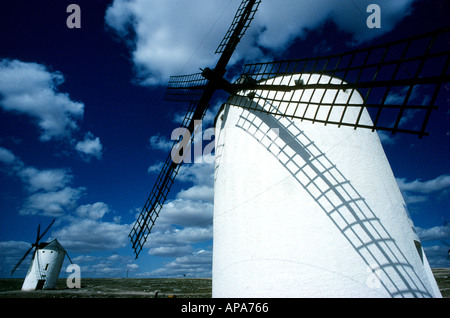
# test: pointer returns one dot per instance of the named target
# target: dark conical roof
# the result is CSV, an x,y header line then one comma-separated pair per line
x,y
52,245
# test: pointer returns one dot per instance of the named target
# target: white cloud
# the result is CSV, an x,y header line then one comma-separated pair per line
x,y
198,173
420,191
437,256
10,163
197,193
7,157
194,234
424,187
93,211
52,203
30,89
155,168
170,251
185,213
386,138
111,266
10,254
181,237
48,180
90,147
166,42
434,233
196,264
160,142
185,223
50,193
86,235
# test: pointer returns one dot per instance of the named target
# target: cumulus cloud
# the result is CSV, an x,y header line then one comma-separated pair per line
x,y
10,254
170,251
386,138
185,222
86,235
7,157
93,211
199,173
50,193
159,142
90,147
185,213
48,180
197,193
195,264
110,266
420,191
52,203
31,89
437,256
165,42
425,187
49,190
10,163
434,233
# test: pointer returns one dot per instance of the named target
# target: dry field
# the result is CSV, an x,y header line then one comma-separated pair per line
x,y
145,288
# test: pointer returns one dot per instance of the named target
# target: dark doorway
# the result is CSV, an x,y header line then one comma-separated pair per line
x,y
40,284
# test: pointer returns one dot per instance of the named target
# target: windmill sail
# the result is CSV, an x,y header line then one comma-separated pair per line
x,y
159,193
199,100
244,16
46,262
397,80
35,245
186,88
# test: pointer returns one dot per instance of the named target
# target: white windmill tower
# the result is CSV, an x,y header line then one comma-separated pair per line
x,y
322,216
305,202
45,265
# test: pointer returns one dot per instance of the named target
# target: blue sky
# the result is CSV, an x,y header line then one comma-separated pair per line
x,y
84,127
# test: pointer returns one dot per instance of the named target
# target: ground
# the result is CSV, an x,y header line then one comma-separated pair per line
x,y
146,287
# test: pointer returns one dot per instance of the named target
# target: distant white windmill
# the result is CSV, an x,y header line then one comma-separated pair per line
x,y
45,265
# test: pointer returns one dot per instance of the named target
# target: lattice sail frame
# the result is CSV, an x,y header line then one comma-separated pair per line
x,y
241,10
155,201
186,88
398,81
198,92
402,78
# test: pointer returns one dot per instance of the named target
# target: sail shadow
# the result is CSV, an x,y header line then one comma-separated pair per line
x,y
337,198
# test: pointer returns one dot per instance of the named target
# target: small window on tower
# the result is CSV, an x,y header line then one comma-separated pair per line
x,y
46,267
419,249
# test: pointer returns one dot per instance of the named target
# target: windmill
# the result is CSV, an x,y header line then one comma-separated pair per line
x,y
45,264
305,201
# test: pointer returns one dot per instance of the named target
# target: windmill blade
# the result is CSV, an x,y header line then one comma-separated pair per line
x,y
150,212
397,80
186,88
42,235
21,260
37,235
155,201
246,13
67,254
199,103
